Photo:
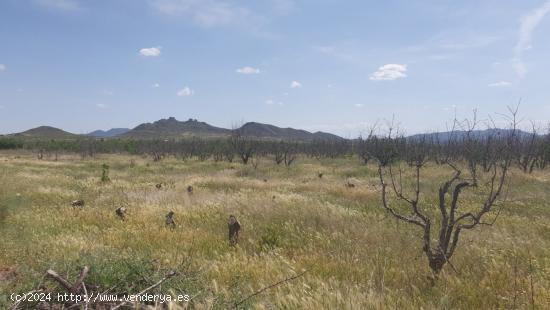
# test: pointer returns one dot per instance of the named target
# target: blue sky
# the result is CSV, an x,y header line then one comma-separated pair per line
x,y
331,65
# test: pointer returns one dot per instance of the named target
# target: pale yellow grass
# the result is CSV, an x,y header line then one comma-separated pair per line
x,y
356,255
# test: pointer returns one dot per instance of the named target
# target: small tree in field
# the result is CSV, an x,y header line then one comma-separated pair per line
x,y
362,147
442,223
243,146
290,152
105,173
285,152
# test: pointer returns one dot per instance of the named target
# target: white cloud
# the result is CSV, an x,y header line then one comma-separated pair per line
x,y
150,52
499,84
156,85
528,24
64,5
2,67
101,106
295,84
206,13
248,70
389,72
186,91
273,102
107,92
359,105
519,66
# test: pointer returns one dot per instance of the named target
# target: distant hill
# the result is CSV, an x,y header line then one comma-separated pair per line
x,y
45,132
113,132
477,134
172,128
259,130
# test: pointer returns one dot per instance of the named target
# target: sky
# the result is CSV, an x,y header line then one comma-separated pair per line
x,y
330,65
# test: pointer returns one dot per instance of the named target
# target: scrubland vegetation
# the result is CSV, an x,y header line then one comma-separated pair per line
x,y
296,218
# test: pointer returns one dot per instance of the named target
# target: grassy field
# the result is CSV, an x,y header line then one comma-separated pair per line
x,y
356,256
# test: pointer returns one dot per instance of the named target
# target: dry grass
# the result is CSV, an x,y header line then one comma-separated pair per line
x,y
357,256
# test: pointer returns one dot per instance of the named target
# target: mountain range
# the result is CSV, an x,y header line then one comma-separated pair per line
x,y
475,134
172,128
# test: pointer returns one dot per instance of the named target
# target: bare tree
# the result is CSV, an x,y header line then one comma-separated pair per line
x,y
452,217
543,150
243,146
362,146
290,152
278,152
527,151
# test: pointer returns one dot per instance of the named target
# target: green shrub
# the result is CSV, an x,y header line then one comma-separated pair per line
x,y
105,173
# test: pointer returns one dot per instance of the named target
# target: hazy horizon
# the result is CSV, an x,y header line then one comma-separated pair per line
x,y
320,66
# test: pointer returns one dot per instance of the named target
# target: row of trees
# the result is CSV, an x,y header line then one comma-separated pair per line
x,y
530,151
235,148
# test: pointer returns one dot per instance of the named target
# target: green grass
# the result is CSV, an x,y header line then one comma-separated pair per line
x,y
357,256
